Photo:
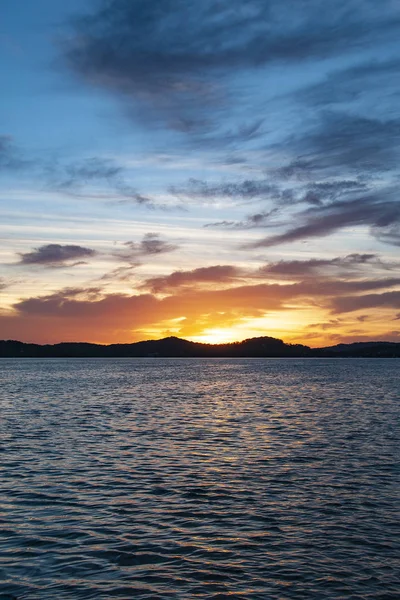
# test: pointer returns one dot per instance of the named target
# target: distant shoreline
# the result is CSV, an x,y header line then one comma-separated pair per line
x,y
173,347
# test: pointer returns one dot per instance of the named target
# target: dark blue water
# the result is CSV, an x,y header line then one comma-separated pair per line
x,y
151,478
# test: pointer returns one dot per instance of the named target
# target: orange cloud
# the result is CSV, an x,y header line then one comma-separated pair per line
x,y
91,315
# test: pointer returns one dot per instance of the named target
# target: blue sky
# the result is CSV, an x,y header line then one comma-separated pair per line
x,y
223,147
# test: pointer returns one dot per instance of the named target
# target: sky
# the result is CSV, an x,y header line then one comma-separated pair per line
x,y
210,169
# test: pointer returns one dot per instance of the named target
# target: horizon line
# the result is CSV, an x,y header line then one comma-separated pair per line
x,y
174,337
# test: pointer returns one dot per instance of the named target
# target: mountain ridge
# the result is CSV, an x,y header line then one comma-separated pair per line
x,y
174,347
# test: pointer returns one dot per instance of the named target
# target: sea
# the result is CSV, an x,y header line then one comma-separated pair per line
x,y
156,478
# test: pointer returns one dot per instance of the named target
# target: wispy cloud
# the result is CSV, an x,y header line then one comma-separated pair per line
x,y
322,267
216,275
97,177
151,244
237,191
105,175
11,157
376,210
3,283
173,58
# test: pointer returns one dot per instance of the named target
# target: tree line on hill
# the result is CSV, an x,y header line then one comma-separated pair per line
x,y
173,347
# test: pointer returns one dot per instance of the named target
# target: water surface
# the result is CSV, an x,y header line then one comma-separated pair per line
x,y
151,478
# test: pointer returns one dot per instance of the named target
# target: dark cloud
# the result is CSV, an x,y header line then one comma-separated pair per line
x,y
298,169
355,83
351,143
218,274
320,266
173,56
379,214
56,255
331,288
314,193
318,277
346,170
351,304
332,190
389,234
150,245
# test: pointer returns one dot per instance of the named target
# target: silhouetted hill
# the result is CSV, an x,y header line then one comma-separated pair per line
x,y
175,347
363,349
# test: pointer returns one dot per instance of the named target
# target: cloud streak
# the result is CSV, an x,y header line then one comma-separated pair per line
x,y
176,55
321,267
380,214
77,178
11,158
216,275
150,245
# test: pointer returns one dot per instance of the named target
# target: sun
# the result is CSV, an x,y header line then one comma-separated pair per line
x,y
215,336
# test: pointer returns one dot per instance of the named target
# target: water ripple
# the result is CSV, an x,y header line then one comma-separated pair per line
x,y
217,479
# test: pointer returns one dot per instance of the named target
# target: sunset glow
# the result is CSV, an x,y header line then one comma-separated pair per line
x,y
217,336
206,181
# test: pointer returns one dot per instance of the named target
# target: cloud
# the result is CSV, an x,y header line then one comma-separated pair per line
x,y
309,278
90,177
352,85
242,190
68,315
124,310
120,273
75,178
385,300
316,193
389,234
317,267
150,245
379,213
259,219
218,274
11,158
346,169
172,58
333,204
351,142
3,283
331,288
86,171
192,301
56,255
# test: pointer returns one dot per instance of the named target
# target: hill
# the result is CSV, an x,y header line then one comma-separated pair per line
x,y
175,347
